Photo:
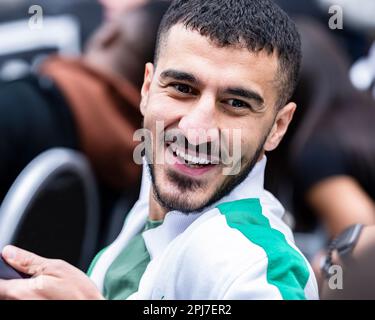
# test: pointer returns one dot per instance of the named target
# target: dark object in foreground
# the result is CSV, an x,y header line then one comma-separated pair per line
x,y
8,273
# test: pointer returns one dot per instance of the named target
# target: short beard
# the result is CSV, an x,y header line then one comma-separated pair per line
x,y
186,184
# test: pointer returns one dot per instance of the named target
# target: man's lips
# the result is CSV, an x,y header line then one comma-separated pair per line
x,y
193,156
195,172
188,168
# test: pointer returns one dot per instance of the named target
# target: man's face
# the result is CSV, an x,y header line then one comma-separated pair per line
x,y
203,93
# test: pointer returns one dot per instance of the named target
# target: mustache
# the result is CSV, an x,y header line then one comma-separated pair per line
x,y
214,150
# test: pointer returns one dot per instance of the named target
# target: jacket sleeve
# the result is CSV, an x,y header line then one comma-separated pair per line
x,y
252,284
257,283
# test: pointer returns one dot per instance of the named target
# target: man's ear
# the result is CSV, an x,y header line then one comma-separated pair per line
x,y
149,73
282,121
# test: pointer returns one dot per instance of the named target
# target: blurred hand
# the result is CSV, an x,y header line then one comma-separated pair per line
x,y
316,265
51,279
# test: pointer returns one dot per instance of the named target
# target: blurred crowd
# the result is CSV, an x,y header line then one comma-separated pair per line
x,y
92,53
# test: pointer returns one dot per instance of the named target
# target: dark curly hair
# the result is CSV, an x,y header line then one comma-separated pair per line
x,y
256,24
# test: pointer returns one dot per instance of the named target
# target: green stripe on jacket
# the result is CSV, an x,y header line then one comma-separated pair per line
x,y
287,269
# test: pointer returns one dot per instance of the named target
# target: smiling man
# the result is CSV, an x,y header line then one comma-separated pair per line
x,y
202,228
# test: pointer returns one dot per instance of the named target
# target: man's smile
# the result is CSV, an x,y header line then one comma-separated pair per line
x,y
189,162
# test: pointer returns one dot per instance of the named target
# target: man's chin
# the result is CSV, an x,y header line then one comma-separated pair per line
x,y
181,194
184,183
176,191
185,205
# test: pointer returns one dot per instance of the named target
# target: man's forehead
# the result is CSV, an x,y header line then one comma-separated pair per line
x,y
187,50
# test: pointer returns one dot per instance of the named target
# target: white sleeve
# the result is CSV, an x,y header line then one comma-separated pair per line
x,y
253,285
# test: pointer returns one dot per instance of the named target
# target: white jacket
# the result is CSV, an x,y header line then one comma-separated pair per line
x,y
239,248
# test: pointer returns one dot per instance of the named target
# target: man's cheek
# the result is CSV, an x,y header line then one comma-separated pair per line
x,y
159,114
234,153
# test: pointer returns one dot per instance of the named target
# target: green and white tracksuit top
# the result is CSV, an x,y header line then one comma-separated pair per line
x,y
238,248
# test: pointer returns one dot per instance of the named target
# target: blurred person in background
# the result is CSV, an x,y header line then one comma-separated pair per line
x,y
356,36
330,150
90,104
359,16
355,281
353,40
113,8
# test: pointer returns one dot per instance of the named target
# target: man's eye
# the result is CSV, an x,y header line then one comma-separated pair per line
x,y
237,103
183,88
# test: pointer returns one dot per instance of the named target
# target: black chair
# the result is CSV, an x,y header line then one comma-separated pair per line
x,y
52,208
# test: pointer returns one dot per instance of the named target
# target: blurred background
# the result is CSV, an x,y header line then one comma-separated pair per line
x,y
61,58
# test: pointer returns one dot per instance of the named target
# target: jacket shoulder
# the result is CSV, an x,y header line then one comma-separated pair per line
x,y
239,241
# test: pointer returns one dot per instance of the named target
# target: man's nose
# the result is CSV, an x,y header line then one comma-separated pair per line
x,y
199,124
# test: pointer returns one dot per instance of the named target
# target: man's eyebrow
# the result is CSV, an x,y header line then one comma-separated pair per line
x,y
179,75
245,93
188,77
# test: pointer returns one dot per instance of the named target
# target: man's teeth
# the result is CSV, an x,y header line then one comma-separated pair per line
x,y
189,158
